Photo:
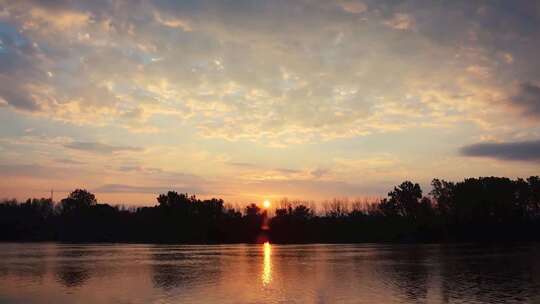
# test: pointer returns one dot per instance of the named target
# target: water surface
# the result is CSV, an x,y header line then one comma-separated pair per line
x,y
61,273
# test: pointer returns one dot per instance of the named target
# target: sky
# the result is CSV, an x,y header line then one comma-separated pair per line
x,y
252,100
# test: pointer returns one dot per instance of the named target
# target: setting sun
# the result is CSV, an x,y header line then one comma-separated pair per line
x,y
266,204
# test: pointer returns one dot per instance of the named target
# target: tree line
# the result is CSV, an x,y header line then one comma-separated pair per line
x,y
475,209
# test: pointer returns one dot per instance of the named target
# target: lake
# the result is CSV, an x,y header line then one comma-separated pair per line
x,y
268,273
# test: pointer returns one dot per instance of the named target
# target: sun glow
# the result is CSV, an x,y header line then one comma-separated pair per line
x,y
266,204
267,264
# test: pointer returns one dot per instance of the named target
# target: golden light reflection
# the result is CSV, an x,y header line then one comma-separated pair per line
x,y
267,264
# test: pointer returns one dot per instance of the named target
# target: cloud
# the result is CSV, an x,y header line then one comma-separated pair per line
x,y
400,21
259,168
69,161
35,171
234,76
243,165
14,94
287,170
121,188
172,22
101,148
478,71
195,72
528,99
18,57
319,172
521,151
353,7
317,189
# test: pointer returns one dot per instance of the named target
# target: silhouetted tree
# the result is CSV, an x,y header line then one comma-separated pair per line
x,y
389,208
533,183
405,199
78,199
336,208
253,211
443,194
475,209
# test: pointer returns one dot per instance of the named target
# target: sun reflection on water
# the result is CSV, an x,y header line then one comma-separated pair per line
x,y
267,264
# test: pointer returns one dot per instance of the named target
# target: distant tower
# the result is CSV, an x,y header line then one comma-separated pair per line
x,y
52,195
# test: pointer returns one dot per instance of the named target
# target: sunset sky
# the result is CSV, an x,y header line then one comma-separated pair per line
x,y
253,100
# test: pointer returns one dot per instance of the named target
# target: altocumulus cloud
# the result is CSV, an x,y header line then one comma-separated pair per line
x,y
524,150
193,73
223,69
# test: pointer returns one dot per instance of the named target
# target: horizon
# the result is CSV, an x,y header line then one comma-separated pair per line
x,y
317,206
255,100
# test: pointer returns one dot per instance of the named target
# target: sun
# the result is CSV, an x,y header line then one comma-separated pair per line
x,y
266,204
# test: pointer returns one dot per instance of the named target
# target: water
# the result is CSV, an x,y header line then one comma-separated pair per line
x,y
60,273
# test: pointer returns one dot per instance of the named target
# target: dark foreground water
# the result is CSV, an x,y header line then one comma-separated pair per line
x,y
53,273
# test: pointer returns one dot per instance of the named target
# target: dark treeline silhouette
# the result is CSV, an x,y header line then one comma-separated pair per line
x,y
476,209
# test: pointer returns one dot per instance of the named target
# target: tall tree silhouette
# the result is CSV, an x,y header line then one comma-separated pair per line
x,y
78,199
